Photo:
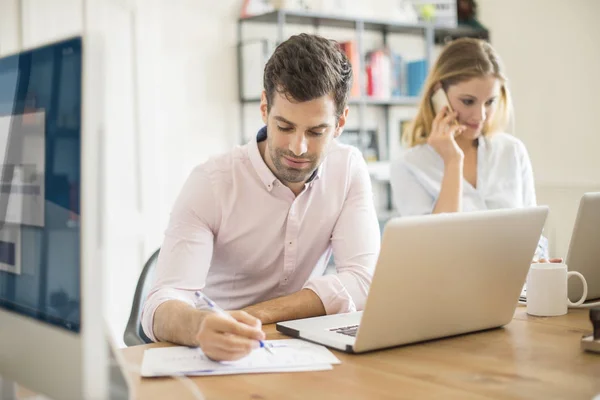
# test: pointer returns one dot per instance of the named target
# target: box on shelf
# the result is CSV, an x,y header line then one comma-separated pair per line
x,y
439,12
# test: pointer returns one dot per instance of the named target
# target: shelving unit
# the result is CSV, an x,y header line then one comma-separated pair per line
x,y
283,17
431,34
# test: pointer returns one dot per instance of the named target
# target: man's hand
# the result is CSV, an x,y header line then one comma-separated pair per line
x,y
228,338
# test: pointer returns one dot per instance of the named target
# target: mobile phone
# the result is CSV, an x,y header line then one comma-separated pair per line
x,y
439,100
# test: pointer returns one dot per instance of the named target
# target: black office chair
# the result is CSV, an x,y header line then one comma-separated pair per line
x,y
134,334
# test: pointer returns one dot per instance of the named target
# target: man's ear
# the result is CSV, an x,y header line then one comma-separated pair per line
x,y
264,107
341,122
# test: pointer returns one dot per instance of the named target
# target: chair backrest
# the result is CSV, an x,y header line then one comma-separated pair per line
x,y
134,334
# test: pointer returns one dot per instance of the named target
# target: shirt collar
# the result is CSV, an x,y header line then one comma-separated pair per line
x,y
260,166
482,143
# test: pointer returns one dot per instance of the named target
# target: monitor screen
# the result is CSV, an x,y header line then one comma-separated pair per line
x,y
40,177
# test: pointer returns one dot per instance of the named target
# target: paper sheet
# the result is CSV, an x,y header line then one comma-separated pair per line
x,y
291,355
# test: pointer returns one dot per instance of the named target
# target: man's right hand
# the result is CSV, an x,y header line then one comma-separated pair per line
x,y
228,338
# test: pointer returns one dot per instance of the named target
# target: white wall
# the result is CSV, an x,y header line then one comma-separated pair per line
x,y
552,60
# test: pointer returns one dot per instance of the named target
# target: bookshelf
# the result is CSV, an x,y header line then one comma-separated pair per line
x,y
294,17
430,33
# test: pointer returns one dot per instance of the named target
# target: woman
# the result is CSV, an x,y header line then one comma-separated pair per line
x,y
461,159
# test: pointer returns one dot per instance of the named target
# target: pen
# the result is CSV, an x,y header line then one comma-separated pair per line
x,y
214,307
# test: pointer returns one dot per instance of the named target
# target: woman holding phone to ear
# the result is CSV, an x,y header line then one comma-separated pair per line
x,y
459,158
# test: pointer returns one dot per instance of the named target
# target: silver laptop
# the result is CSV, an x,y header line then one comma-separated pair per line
x,y
584,249
436,276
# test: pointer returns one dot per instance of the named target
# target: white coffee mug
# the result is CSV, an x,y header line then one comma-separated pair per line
x,y
547,289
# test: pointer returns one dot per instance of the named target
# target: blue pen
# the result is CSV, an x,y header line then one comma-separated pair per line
x,y
214,307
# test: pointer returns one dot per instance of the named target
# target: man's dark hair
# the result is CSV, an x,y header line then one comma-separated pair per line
x,y
306,67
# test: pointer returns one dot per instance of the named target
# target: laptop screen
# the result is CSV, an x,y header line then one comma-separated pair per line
x,y
40,177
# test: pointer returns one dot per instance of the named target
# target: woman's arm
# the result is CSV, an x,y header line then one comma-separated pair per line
x,y
443,131
450,198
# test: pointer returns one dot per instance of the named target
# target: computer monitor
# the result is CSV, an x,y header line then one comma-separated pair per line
x,y
52,330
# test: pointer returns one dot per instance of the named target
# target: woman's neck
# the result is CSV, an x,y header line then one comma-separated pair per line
x,y
467,145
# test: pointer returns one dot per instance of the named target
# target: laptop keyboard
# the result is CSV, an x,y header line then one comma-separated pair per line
x,y
346,330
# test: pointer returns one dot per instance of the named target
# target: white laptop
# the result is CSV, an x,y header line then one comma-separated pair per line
x,y
584,249
436,276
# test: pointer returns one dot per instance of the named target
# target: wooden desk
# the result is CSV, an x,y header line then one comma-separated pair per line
x,y
535,358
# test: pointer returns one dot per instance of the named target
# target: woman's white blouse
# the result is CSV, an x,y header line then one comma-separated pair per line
x,y
504,178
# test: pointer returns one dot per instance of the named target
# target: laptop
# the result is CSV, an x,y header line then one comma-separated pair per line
x,y
436,276
584,249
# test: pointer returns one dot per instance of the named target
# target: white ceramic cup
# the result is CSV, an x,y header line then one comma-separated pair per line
x,y
547,289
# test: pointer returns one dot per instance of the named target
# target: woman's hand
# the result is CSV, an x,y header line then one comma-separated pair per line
x,y
443,131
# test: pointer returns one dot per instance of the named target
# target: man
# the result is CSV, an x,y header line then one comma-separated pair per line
x,y
254,229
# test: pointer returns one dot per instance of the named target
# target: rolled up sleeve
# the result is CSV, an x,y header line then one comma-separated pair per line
x,y
186,253
355,242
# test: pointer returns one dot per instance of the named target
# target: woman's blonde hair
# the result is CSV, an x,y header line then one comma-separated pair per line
x,y
461,60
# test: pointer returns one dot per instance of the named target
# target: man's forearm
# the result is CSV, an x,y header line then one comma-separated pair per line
x,y
450,198
177,322
302,304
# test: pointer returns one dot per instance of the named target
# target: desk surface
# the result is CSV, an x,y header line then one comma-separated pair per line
x,y
531,357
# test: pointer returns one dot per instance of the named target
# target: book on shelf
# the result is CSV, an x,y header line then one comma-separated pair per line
x,y
350,49
398,75
379,74
389,75
416,73
386,74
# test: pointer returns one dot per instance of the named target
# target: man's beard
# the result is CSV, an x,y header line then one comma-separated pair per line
x,y
290,174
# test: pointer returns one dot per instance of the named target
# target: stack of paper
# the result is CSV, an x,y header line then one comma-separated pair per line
x,y
290,355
